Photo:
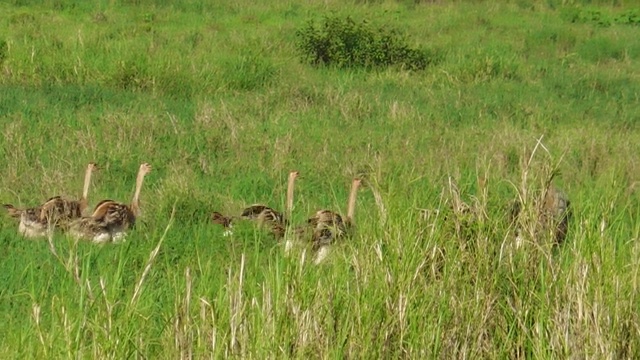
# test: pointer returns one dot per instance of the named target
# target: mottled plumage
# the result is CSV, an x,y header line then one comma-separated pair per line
x,y
264,216
56,212
92,229
326,226
218,218
554,213
110,219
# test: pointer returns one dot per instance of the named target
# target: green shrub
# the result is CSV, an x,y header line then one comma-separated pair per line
x,y
629,17
4,51
601,18
344,43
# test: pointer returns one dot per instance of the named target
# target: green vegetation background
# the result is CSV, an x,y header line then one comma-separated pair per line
x,y
215,97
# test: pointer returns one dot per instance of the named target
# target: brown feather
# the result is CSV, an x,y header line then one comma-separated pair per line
x,y
13,211
110,219
327,225
56,212
269,218
218,218
554,213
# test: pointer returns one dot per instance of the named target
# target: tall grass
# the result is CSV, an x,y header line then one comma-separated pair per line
x,y
215,97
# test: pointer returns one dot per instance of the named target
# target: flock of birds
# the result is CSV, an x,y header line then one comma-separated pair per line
x,y
111,220
321,228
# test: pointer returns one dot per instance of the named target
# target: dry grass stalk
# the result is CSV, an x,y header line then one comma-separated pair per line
x,y
152,257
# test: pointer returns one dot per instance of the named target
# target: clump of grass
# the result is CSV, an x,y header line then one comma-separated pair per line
x,y
600,49
249,72
132,74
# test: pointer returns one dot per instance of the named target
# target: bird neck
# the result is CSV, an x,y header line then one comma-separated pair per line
x,y
135,202
351,207
290,188
85,188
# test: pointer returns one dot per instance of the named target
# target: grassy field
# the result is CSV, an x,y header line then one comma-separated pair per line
x,y
216,98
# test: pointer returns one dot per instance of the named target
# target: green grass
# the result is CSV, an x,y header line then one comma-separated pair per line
x,y
216,98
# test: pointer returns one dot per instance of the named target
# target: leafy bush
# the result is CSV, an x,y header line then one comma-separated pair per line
x,y
629,17
601,18
4,51
344,43
589,16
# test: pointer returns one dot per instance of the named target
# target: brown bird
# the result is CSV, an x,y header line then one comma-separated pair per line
x,y
327,226
263,215
56,212
110,219
218,218
554,213
225,221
